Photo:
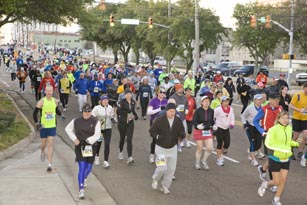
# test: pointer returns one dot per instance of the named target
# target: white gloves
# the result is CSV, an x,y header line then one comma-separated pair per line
x,y
214,127
200,126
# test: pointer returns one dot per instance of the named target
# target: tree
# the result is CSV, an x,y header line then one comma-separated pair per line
x,y
48,11
259,41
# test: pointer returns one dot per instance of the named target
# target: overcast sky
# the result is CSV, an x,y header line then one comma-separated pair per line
x,y
223,8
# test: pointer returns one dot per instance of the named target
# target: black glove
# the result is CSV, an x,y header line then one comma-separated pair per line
x,y
38,126
162,107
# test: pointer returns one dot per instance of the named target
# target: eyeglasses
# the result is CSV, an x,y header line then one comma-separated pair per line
x,y
161,92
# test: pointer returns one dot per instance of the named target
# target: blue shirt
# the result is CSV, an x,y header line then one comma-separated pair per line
x,y
82,86
95,88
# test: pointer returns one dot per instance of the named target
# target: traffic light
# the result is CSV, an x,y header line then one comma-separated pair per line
x,y
150,22
268,22
111,20
253,21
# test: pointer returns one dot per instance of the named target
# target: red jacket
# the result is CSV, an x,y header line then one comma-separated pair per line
x,y
270,116
45,82
191,108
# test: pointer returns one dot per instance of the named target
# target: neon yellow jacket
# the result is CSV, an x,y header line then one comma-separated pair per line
x,y
279,143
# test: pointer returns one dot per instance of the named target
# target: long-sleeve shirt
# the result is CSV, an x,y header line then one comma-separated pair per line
x,y
82,86
249,114
95,88
104,115
223,119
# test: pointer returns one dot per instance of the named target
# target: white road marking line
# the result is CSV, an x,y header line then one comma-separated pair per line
x,y
5,83
214,152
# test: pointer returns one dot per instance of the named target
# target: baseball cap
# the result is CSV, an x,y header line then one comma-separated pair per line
x,y
86,108
274,95
224,98
204,97
219,72
257,97
178,86
104,97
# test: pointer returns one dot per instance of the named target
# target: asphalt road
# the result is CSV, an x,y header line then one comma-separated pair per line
x,y
235,183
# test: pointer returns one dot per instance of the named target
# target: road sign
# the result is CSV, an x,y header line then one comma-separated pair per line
x,y
130,21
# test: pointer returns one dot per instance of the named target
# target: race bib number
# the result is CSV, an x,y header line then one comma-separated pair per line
x,y
160,160
38,79
96,89
244,93
87,151
180,108
206,133
62,90
49,115
145,94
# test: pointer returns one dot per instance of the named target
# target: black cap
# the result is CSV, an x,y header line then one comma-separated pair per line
x,y
274,95
86,108
170,106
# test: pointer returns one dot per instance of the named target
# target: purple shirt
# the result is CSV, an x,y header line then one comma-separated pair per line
x,y
155,103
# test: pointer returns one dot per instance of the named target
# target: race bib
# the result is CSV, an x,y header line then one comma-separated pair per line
x,y
48,84
49,115
96,89
22,75
244,93
180,108
160,160
145,94
38,79
87,151
62,90
206,133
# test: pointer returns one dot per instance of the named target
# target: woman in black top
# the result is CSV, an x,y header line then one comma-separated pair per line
x,y
230,88
126,116
285,98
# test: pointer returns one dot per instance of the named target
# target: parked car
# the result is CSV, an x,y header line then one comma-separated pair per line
x,y
207,65
246,70
301,78
249,69
227,68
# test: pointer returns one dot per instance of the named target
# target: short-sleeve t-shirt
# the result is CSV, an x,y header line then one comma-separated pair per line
x,y
299,100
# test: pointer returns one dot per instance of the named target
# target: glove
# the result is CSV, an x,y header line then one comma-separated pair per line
x,y
38,126
200,126
162,107
214,127
231,126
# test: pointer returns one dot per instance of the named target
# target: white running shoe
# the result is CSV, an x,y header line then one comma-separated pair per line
x,y
260,155
262,174
273,189
220,162
165,190
205,164
254,163
96,162
130,160
151,158
81,194
182,143
197,166
106,165
179,149
64,110
262,188
154,184
276,202
188,144
303,161
121,156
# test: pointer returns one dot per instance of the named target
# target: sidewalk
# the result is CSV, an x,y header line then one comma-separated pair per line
x,y
24,179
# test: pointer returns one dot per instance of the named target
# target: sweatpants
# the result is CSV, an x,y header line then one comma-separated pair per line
x,y
167,171
64,99
81,101
95,101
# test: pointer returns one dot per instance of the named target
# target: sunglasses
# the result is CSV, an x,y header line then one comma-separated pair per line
x,y
87,110
162,92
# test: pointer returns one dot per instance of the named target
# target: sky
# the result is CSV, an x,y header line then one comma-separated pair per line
x,y
222,8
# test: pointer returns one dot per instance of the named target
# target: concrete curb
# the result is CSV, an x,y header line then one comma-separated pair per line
x,y
10,151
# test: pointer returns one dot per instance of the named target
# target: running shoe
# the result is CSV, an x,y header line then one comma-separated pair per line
x,y
115,120
174,178
154,184
188,144
179,149
260,155
81,194
197,166
96,162
121,156
64,110
144,118
130,160
273,189
43,157
49,169
254,163
151,158
276,202
205,165
262,188
182,143
262,174
165,190
303,161
220,162
299,155
106,165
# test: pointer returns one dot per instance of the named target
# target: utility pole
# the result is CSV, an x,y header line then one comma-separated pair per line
x,y
196,43
169,14
291,44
